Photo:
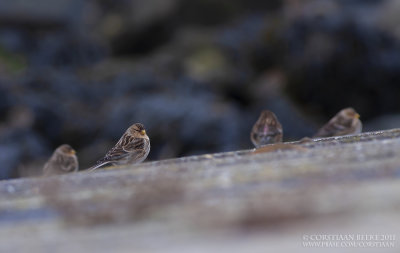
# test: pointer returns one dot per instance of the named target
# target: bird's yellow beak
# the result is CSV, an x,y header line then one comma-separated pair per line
x,y
72,152
143,132
357,116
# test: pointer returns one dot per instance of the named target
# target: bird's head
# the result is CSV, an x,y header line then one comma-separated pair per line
x,y
350,113
66,149
138,130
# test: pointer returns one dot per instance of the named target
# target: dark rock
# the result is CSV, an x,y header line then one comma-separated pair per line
x,y
216,12
42,14
144,40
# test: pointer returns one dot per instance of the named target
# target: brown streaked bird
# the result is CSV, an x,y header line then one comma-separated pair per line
x,y
344,122
63,160
133,147
266,130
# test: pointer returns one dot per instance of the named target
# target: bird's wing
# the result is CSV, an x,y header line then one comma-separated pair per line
x,y
125,146
135,144
330,129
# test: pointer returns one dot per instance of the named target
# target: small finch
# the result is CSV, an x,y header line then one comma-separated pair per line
x,y
62,161
345,122
266,130
133,147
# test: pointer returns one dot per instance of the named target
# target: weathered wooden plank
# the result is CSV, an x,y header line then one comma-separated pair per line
x,y
233,202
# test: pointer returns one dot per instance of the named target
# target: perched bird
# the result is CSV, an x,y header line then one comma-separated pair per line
x,y
266,130
133,147
62,161
345,122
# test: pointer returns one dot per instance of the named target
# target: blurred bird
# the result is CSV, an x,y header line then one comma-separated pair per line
x,y
345,122
266,130
62,161
133,147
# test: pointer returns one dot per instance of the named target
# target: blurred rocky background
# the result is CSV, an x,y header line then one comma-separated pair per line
x,y
195,73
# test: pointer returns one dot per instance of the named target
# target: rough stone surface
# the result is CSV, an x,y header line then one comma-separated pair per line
x,y
225,202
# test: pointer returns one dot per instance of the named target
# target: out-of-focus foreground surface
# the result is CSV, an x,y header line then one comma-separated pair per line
x,y
226,202
195,73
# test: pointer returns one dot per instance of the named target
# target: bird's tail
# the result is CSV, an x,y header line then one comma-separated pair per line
x,y
97,165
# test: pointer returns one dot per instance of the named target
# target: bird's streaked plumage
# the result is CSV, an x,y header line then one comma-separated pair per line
x,y
266,130
344,122
133,147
